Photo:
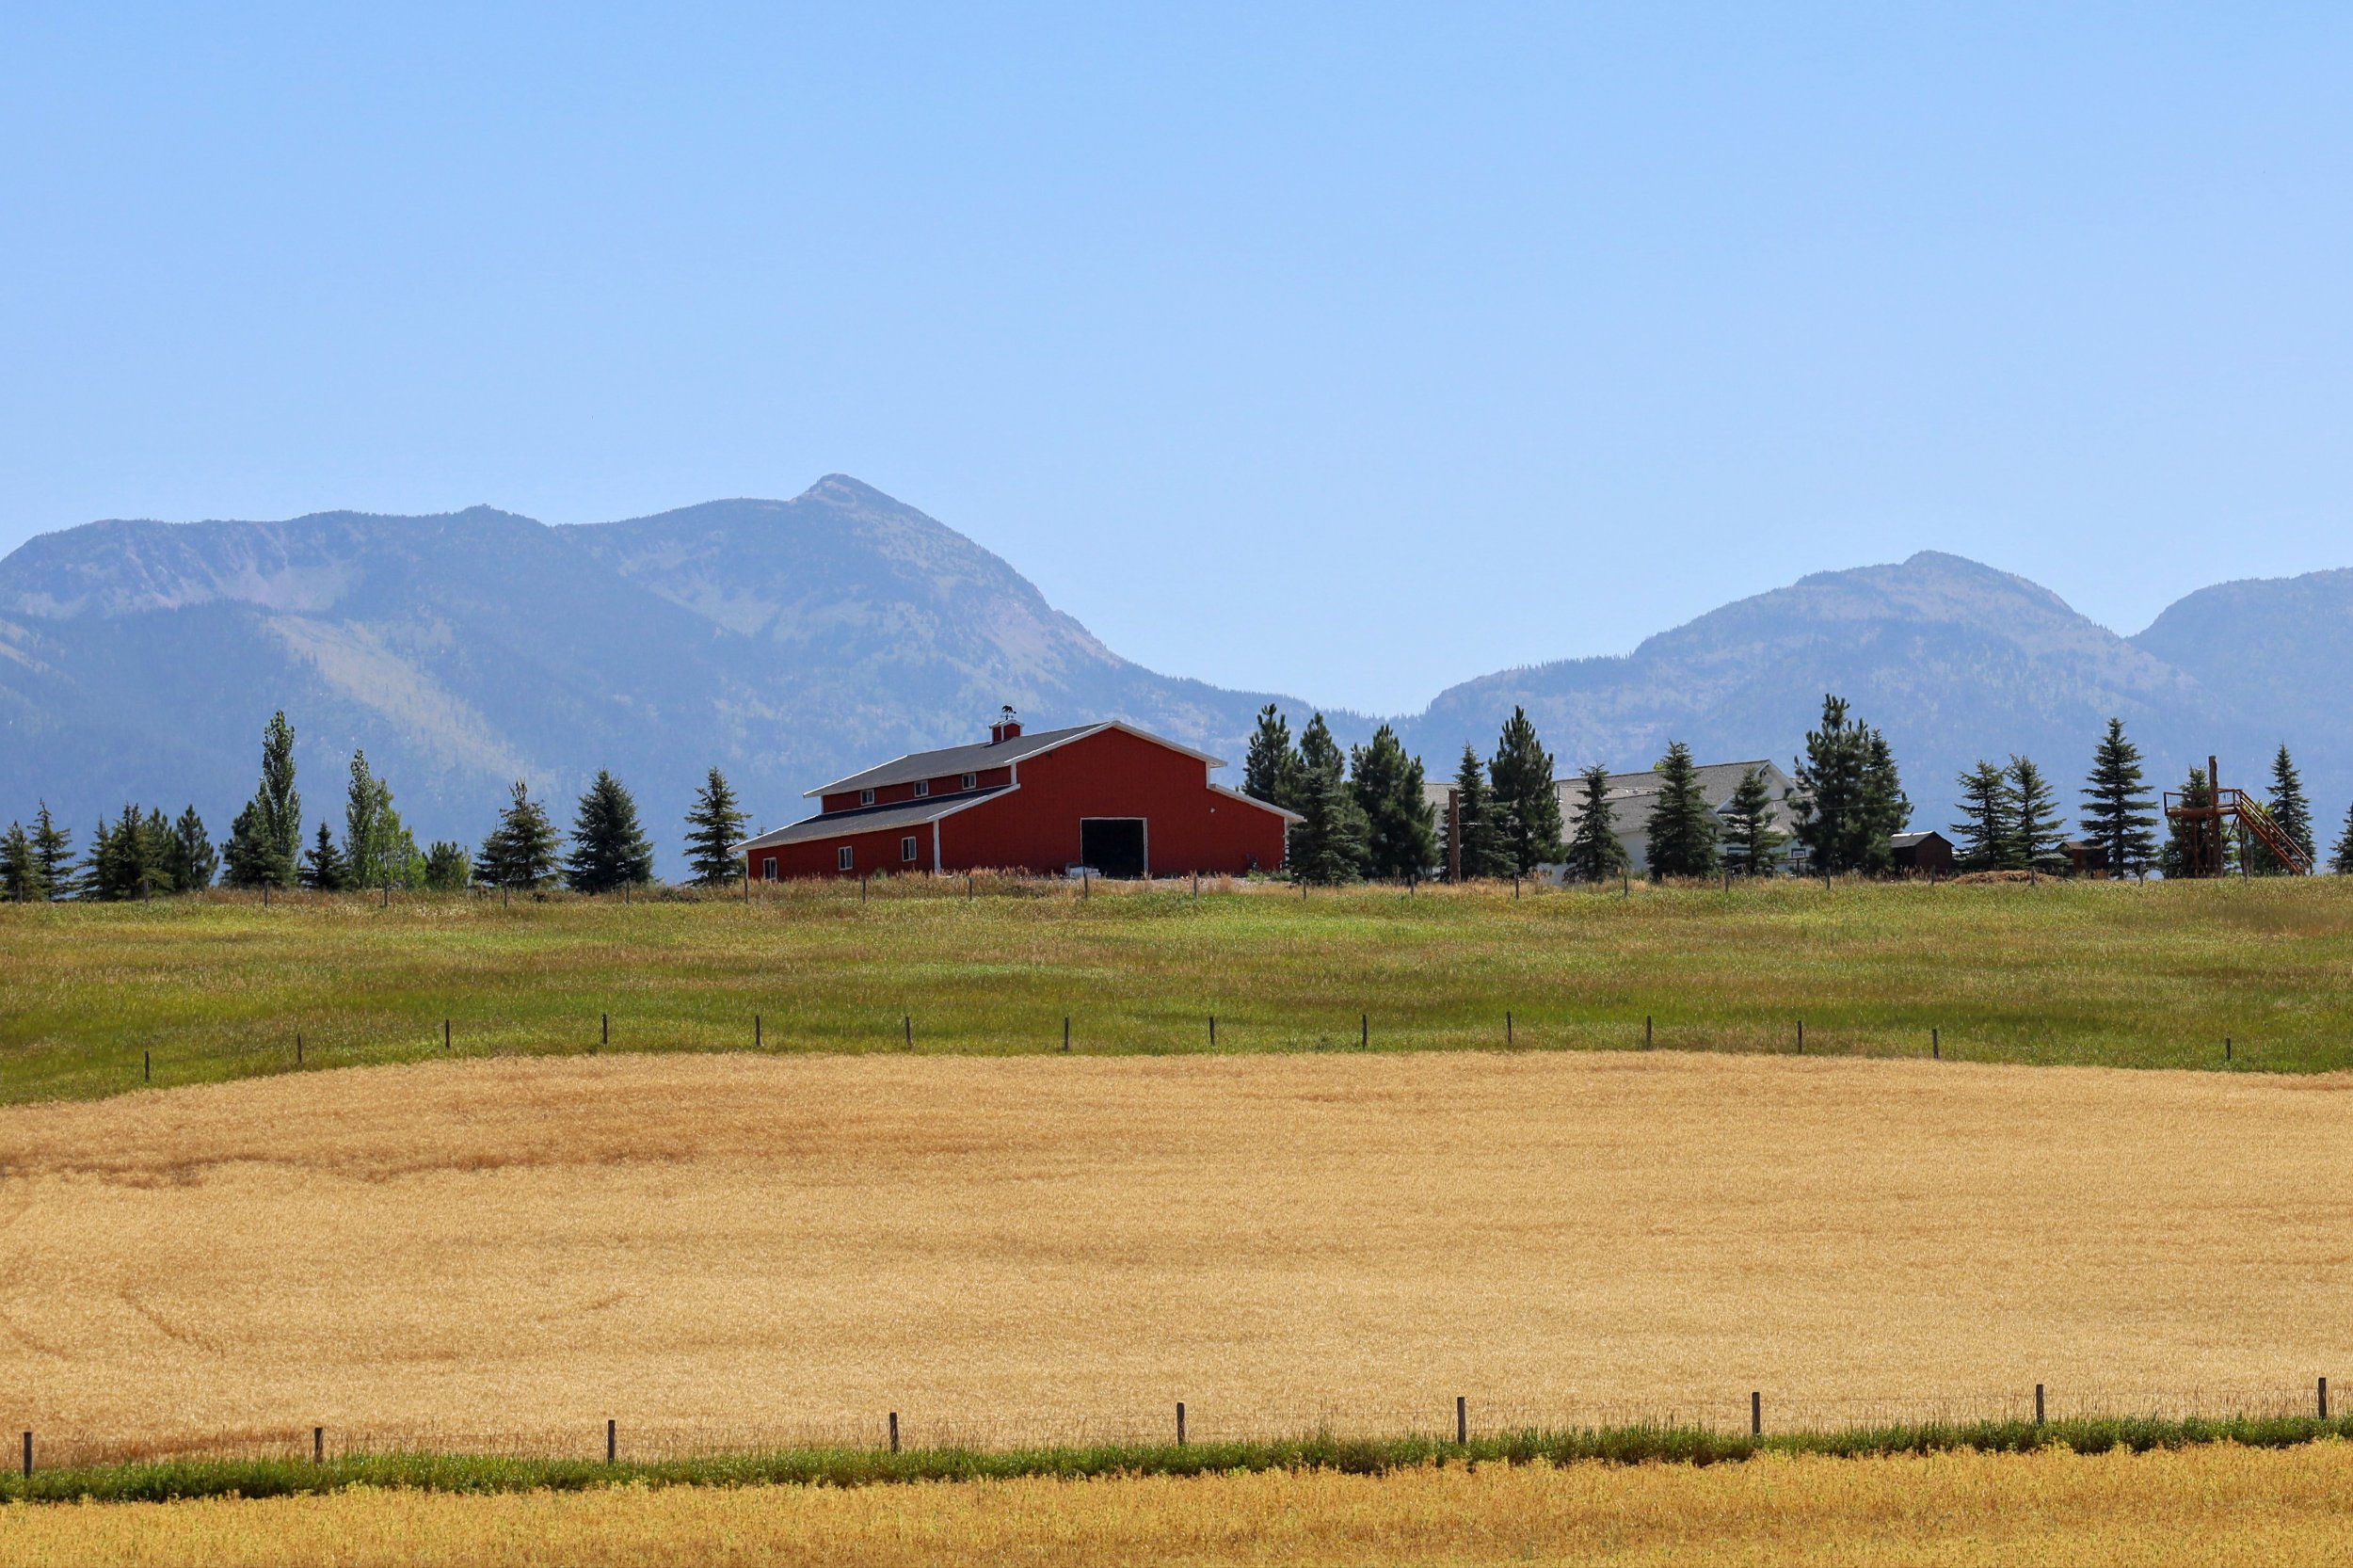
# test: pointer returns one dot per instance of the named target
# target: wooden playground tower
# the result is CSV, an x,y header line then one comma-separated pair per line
x,y
2204,850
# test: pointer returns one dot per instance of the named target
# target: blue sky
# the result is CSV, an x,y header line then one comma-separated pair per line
x,y
1347,351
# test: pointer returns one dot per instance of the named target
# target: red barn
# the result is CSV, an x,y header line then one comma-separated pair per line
x,y
1106,796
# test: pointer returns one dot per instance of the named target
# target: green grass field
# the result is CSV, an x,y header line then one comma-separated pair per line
x,y
2127,975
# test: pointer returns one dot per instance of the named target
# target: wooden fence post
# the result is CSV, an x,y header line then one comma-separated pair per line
x,y
1462,1421
1364,1031
1936,1045
2038,1405
297,1047
147,1067
1213,1031
755,1032
604,1029
2226,1051
1647,1031
894,1431
907,1025
611,1439
1800,1036
1507,1026
1066,1031
2324,1399
1756,1414
318,1445
28,1456
445,1034
1180,1423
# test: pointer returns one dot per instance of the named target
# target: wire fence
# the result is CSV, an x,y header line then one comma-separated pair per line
x,y
1464,1419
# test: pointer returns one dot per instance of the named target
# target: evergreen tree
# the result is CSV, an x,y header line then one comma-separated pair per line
x,y
266,841
1989,810
1329,844
1400,839
1593,853
127,858
2119,814
1851,798
323,868
53,852
2036,836
609,849
1681,828
1752,843
2342,863
191,861
1528,802
1486,843
713,828
20,867
1272,771
448,867
2291,812
520,850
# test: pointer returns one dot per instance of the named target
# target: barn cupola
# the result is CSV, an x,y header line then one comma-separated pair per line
x,y
1006,728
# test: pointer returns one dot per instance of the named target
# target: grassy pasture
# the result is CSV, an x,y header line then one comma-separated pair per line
x,y
2115,1509
2129,975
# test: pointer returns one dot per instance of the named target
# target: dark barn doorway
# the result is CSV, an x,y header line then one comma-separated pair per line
x,y
1112,846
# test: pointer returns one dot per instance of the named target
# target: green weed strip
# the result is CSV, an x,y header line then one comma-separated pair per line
x,y
180,1478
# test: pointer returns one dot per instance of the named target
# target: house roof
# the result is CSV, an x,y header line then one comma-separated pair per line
x,y
1905,841
871,819
1716,782
988,754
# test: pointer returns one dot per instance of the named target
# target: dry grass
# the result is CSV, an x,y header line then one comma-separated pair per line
x,y
715,1249
2095,974
2214,1505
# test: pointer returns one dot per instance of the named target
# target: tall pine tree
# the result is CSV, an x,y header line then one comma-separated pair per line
x,y
2342,862
2036,834
1982,840
20,867
1486,843
266,841
1681,827
1329,843
521,851
1272,769
715,825
1752,843
448,867
191,861
1401,838
1527,800
1850,798
1593,853
53,852
2291,812
2118,813
609,849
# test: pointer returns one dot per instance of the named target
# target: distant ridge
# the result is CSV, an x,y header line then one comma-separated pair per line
x,y
790,641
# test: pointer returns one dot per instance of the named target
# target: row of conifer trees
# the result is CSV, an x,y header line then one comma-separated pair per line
x,y
1367,813
141,853
2009,818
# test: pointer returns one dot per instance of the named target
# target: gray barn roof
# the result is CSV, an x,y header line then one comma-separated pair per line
x,y
871,819
953,760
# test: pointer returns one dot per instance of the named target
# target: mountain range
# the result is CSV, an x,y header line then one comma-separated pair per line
x,y
790,642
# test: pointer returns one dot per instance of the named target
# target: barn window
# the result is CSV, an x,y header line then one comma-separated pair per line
x,y
866,797
768,867
906,847
923,786
842,858
971,780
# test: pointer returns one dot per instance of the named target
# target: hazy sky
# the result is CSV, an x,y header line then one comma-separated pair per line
x,y
1350,352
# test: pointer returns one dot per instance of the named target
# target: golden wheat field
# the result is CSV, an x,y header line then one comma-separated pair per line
x,y
731,1249
2208,1506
